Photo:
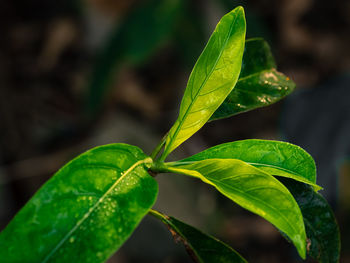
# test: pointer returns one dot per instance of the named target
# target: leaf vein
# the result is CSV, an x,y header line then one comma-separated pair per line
x,y
92,209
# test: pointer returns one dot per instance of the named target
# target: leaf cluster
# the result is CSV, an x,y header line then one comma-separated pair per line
x,y
91,206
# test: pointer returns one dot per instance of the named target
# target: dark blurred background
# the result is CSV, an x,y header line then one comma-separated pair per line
x,y
80,73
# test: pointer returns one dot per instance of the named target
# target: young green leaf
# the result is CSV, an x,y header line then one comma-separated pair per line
x,y
86,211
320,223
274,157
252,189
201,247
143,31
212,79
259,83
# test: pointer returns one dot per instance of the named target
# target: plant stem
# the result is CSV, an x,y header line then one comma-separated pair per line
x,y
159,147
156,214
162,157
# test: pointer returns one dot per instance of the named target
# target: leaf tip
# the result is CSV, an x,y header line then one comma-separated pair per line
x,y
301,243
240,9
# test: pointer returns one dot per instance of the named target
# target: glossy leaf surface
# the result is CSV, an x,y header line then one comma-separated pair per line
x,y
274,157
133,41
86,211
259,83
212,79
257,57
252,189
320,223
201,247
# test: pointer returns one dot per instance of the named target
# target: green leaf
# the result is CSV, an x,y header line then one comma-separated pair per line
x,y
274,157
201,247
144,31
257,57
86,211
212,79
259,83
320,223
252,189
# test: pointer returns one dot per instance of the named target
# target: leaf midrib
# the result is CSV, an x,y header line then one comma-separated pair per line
x,y
257,165
92,209
254,198
276,167
256,74
180,123
212,181
170,224
168,221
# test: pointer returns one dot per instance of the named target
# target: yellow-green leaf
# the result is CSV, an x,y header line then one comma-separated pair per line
x,y
252,189
212,79
274,157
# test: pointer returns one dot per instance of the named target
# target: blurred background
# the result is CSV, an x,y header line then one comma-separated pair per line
x,y
80,73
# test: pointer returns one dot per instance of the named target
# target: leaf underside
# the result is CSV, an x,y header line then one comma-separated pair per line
x,y
320,223
259,83
86,211
212,79
201,247
273,157
252,189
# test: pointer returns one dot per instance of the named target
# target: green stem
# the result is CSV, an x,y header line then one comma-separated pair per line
x,y
159,147
161,167
162,157
156,214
